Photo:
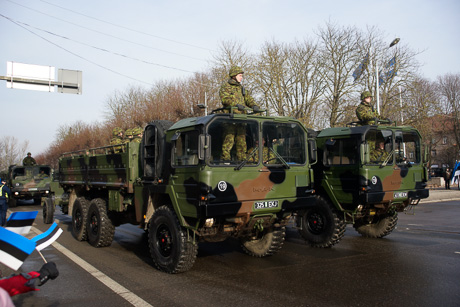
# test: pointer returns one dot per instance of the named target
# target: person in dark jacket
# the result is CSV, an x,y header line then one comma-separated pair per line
x,y
4,194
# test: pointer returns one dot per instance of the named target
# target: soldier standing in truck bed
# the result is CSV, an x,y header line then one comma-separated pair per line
x,y
365,111
233,94
29,161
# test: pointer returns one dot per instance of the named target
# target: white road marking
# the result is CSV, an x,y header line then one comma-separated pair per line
x,y
106,280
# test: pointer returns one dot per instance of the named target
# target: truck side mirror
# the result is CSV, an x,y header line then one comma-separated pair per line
x,y
364,153
204,143
312,151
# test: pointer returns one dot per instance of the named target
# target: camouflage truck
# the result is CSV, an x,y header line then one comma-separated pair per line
x,y
365,175
28,182
176,185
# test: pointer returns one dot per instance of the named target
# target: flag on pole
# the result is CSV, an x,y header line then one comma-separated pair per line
x,y
45,239
20,222
391,62
361,67
14,248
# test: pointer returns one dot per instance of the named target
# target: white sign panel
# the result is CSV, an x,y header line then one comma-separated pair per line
x,y
30,71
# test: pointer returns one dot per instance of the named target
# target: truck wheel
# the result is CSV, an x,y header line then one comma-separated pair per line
x,y
48,211
12,202
380,227
321,225
268,242
170,247
99,227
79,216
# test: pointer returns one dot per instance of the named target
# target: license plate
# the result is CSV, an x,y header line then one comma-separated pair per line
x,y
33,189
266,204
400,195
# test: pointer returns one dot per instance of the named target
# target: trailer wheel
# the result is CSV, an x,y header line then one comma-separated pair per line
x,y
79,216
267,243
99,226
48,211
380,227
171,249
12,202
321,225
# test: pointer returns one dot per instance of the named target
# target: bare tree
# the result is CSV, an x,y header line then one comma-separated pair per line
x,y
11,151
340,54
288,81
449,92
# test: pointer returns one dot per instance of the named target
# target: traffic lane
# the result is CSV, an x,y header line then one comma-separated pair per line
x,y
407,267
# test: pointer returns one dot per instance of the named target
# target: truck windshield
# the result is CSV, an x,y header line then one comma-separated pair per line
x,y
407,147
380,146
232,140
283,143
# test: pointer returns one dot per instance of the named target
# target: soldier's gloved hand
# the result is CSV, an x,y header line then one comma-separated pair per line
x,y
256,108
48,271
240,107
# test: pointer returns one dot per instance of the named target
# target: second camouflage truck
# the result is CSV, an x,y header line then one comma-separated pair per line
x,y
176,185
365,175
28,182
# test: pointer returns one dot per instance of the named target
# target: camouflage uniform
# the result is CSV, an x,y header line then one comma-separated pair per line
x,y
232,94
137,135
268,155
117,139
365,112
29,161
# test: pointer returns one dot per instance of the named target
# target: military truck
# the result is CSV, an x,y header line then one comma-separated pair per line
x,y
176,185
365,175
28,182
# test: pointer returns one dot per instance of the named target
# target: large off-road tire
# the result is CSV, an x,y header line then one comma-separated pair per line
x,y
170,247
48,211
79,217
380,227
12,202
269,241
321,225
99,227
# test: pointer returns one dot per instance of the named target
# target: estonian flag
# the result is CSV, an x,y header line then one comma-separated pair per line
x,y
45,239
14,248
21,222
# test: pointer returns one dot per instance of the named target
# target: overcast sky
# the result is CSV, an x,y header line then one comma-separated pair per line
x,y
163,40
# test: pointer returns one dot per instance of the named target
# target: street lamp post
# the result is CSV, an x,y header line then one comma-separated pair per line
x,y
377,85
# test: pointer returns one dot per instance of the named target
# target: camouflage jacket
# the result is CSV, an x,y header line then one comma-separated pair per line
x,y
29,161
366,114
231,94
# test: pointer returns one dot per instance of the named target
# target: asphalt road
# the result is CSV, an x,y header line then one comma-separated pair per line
x,y
416,265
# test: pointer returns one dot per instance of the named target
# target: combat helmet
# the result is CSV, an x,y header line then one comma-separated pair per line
x,y
129,132
365,94
116,131
235,70
137,131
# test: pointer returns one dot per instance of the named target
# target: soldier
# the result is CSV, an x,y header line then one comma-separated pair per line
x,y
4,193
365,111
29,161
137,134
268,155
378,153
233,94
117,138
129,135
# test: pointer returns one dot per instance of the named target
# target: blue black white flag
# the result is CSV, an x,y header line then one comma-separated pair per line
x,y
20,222
14,248
361,67
45,239
455,174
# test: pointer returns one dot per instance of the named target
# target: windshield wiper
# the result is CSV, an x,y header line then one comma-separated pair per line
x,y
384,163
279,157
251,154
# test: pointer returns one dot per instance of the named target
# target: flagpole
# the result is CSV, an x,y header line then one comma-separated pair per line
x,y
42,256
